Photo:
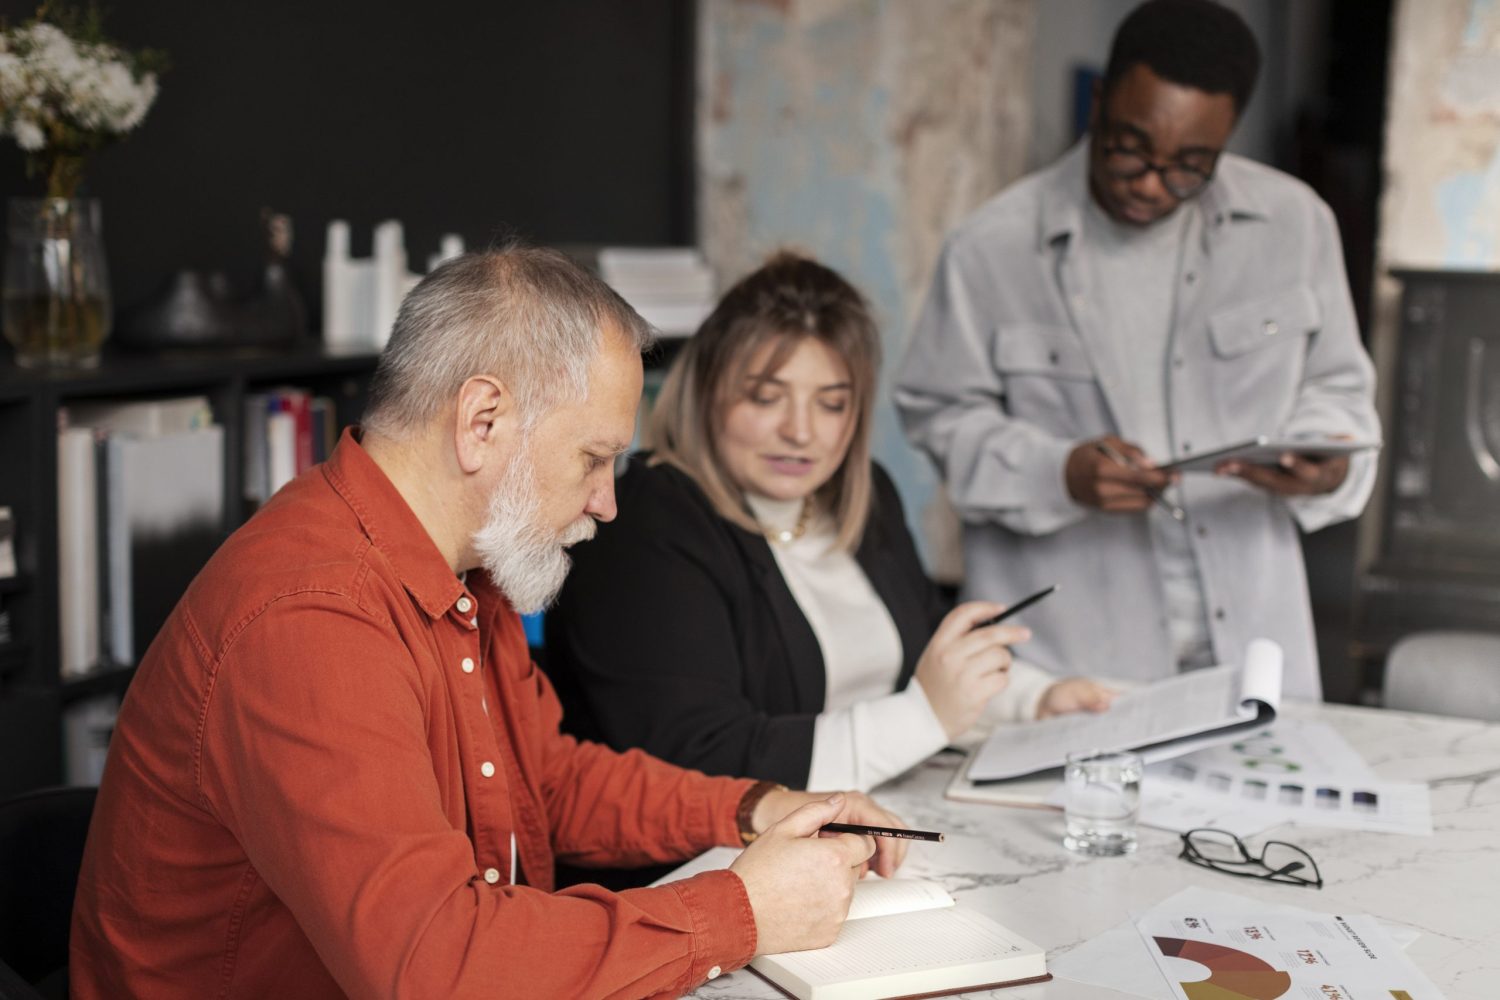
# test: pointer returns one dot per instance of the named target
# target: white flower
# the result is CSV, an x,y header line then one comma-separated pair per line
x,y
29,135
51,85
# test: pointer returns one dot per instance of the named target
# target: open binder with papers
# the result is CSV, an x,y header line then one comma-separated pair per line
x,y
1159,721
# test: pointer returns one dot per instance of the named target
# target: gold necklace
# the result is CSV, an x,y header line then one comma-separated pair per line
x,y
785,536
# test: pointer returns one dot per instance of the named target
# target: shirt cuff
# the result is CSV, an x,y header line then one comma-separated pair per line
x,y
873,741
1340,504
1049,506
724,935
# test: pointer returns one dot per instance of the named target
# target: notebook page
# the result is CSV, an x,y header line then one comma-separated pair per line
x,y
881,897
907,943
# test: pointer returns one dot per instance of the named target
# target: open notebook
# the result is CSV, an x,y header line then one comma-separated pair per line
x,y
906,938
903,938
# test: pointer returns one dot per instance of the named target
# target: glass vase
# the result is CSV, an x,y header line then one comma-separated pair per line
x,y
57,308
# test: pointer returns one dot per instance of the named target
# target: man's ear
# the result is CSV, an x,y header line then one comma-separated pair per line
x,y
486,422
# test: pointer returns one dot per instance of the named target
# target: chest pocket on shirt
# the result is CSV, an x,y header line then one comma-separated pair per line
x,y
1047,378
1259,347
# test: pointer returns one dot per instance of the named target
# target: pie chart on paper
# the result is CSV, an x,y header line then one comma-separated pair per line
x,y
1235,975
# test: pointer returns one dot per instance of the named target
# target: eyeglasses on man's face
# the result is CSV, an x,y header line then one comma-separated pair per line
x,y
1277,861
1127,157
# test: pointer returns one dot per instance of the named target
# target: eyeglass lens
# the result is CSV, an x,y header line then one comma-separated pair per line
x,y
1182,181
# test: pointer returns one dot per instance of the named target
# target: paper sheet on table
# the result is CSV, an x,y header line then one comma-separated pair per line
x,y
1248,951
1289,746
1161,720
1118,958
1305,798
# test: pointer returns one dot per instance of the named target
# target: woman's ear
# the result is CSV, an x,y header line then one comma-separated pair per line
x,y
486,422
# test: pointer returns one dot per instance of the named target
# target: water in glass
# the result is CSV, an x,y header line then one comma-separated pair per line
x,y
1102,801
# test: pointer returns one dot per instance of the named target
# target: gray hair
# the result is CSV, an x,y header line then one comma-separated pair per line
x,y
528,315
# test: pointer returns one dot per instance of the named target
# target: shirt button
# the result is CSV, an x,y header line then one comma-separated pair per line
x,y
491,875
1219,613
487,769
468,665
1190,277
1202,531
464,604
1187,446
1270,327
1177,362
715,972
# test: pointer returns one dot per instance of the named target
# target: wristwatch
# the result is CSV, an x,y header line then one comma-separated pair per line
x,y
745,814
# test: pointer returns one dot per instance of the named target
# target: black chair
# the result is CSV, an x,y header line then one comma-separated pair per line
x,y
41,847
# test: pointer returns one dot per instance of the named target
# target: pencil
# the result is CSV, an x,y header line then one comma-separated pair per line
x,y
1178,514
884,831
1020,605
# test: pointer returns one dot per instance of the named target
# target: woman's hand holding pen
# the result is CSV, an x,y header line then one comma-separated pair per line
x,y
1114,475
964,666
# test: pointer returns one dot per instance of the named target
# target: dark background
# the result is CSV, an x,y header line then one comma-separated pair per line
x,y
563,122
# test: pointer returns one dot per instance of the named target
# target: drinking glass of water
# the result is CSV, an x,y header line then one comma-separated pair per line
x,y
1102,798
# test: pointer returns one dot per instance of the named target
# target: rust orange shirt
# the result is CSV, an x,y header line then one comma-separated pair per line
x,y
322,765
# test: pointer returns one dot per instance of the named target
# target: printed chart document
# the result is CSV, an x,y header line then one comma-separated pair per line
x,y
1161,720
906,938
1120,959
1251,953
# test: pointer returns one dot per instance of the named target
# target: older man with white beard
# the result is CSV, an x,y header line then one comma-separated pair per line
x,y
338,772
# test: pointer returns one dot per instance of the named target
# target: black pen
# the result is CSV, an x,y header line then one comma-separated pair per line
x,y
884,831
1024,602
1178,514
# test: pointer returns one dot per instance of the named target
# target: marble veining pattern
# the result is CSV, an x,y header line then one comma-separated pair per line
x,y
1010,864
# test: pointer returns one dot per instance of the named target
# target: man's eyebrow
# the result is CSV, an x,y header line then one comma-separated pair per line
x,y
608,448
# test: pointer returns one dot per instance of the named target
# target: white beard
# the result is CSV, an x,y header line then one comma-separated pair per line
x,y
525,560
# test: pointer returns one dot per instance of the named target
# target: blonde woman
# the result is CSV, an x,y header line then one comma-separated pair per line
x,y
758,607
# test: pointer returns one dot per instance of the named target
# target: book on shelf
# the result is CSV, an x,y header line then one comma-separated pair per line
x,y
671,287
87,727
78,579
7,544
140,510
902,938
287,431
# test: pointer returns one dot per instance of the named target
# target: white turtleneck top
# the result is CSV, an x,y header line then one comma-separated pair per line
x,y
867,732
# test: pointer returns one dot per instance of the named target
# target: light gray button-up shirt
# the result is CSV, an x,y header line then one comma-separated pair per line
x,y
1012,365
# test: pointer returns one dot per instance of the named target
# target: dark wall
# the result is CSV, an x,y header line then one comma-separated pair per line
x,y
565,121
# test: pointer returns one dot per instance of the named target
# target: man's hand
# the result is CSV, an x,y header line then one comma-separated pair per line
x,y
1297,475
1096,479
799,883
1075,694
854,807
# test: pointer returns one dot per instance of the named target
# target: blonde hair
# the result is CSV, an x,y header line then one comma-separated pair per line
x,y
788,300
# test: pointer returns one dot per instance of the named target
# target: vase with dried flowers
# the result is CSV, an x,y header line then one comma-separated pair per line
x,y
65,92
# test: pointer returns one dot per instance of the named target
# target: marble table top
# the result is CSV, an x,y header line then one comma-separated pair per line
x,y
1010,863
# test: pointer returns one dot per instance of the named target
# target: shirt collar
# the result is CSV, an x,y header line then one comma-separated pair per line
x,y
1230,195
392,526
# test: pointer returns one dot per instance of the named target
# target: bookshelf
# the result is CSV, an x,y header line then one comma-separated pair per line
x,y
33,695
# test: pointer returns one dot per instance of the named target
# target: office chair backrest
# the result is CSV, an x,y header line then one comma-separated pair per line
x,y
1446,673
41,848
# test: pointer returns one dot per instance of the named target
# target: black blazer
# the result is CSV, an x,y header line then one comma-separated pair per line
x,y
676,631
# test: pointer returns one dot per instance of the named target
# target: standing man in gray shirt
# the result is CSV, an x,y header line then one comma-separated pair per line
x,y
1147,298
